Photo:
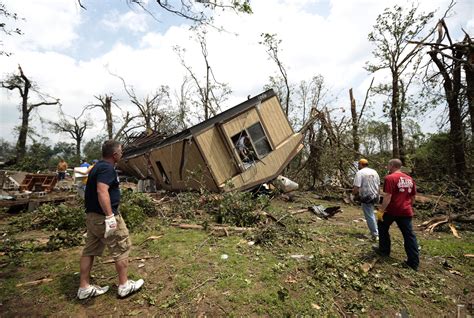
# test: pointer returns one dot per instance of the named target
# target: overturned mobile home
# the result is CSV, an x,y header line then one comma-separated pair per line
x,y
240,148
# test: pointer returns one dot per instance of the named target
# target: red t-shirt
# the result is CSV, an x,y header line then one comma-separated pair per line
x,y
402,188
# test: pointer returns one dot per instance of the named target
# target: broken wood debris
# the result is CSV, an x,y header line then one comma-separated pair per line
x,y
325,213
366,267
150,238
35,282
138,258
212,228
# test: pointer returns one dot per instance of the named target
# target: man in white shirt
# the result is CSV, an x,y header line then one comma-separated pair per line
x,y
366,184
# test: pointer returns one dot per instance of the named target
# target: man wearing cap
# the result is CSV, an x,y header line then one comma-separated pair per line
x,y
366,184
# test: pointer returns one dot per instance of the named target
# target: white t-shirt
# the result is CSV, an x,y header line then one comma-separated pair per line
x,y
368,182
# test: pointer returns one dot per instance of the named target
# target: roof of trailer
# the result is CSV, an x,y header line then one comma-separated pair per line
x,y
152,141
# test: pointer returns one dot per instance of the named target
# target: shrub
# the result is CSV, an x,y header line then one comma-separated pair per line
x,y
133,215
237,208
141,200
52,217
64,240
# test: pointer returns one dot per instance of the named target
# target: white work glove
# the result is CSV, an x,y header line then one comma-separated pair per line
x,y
110,225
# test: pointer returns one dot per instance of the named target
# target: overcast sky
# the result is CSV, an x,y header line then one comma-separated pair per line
x,y
69,51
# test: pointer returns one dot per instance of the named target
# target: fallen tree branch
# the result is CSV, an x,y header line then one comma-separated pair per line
x,y
212,228
453,229
35,282
131,259
150,238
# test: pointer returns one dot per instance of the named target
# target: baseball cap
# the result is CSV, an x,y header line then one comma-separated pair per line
x,y
363,161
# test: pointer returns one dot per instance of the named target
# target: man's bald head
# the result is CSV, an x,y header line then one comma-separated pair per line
x,y
395,164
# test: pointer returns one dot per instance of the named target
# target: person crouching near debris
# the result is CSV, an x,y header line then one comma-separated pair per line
x,y
366,184
105,225
397,206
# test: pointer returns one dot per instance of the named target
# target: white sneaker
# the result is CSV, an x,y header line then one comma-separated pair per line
x,y
91,291
130,287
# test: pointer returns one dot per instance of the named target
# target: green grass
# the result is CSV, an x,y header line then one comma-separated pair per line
x,y
190,277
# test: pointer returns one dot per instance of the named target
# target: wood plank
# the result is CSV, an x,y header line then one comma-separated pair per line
x,y
269,166
217,156
276,123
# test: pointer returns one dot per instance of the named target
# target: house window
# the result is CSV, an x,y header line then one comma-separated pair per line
x,y
259,139
251,143
163,174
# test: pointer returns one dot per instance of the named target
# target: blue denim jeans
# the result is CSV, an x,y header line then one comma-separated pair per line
x,y
368,209
410,243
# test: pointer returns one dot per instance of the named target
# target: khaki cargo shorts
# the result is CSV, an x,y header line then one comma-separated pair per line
x,y
118,243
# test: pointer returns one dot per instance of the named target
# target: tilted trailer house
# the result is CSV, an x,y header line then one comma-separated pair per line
x,y
240,148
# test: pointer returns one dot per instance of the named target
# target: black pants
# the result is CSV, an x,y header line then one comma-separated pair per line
x,y
61,176
410,243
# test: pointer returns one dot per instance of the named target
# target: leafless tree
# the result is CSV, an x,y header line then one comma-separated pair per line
x,y
449,58
24,86
211,92
356,118
154,111
105,104
75,127
272,44
197,11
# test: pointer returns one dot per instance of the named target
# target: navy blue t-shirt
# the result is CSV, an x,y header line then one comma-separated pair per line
x,y
104,172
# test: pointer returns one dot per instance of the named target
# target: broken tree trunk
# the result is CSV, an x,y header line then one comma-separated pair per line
x,y
212,228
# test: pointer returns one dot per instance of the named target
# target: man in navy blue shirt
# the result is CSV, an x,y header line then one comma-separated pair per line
x,y
105,225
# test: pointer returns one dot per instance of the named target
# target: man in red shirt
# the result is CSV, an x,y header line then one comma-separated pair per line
x,y
399,195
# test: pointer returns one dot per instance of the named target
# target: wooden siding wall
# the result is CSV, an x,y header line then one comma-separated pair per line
x,y
274,121
241,122
195,171
269,166
134,164
219,159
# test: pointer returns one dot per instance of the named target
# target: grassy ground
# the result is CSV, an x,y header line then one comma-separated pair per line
x,y
309,267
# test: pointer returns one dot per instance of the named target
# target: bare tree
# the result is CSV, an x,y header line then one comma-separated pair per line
x,y
4,28
182,97
356,118
154,111
272,43
75,127
24,86
449,58
105,104
197,11
211,92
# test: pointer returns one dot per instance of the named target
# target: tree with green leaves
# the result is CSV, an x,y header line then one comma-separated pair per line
x,y
392,33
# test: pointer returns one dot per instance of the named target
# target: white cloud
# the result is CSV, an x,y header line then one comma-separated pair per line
x,y
132,21
46,24
333,44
